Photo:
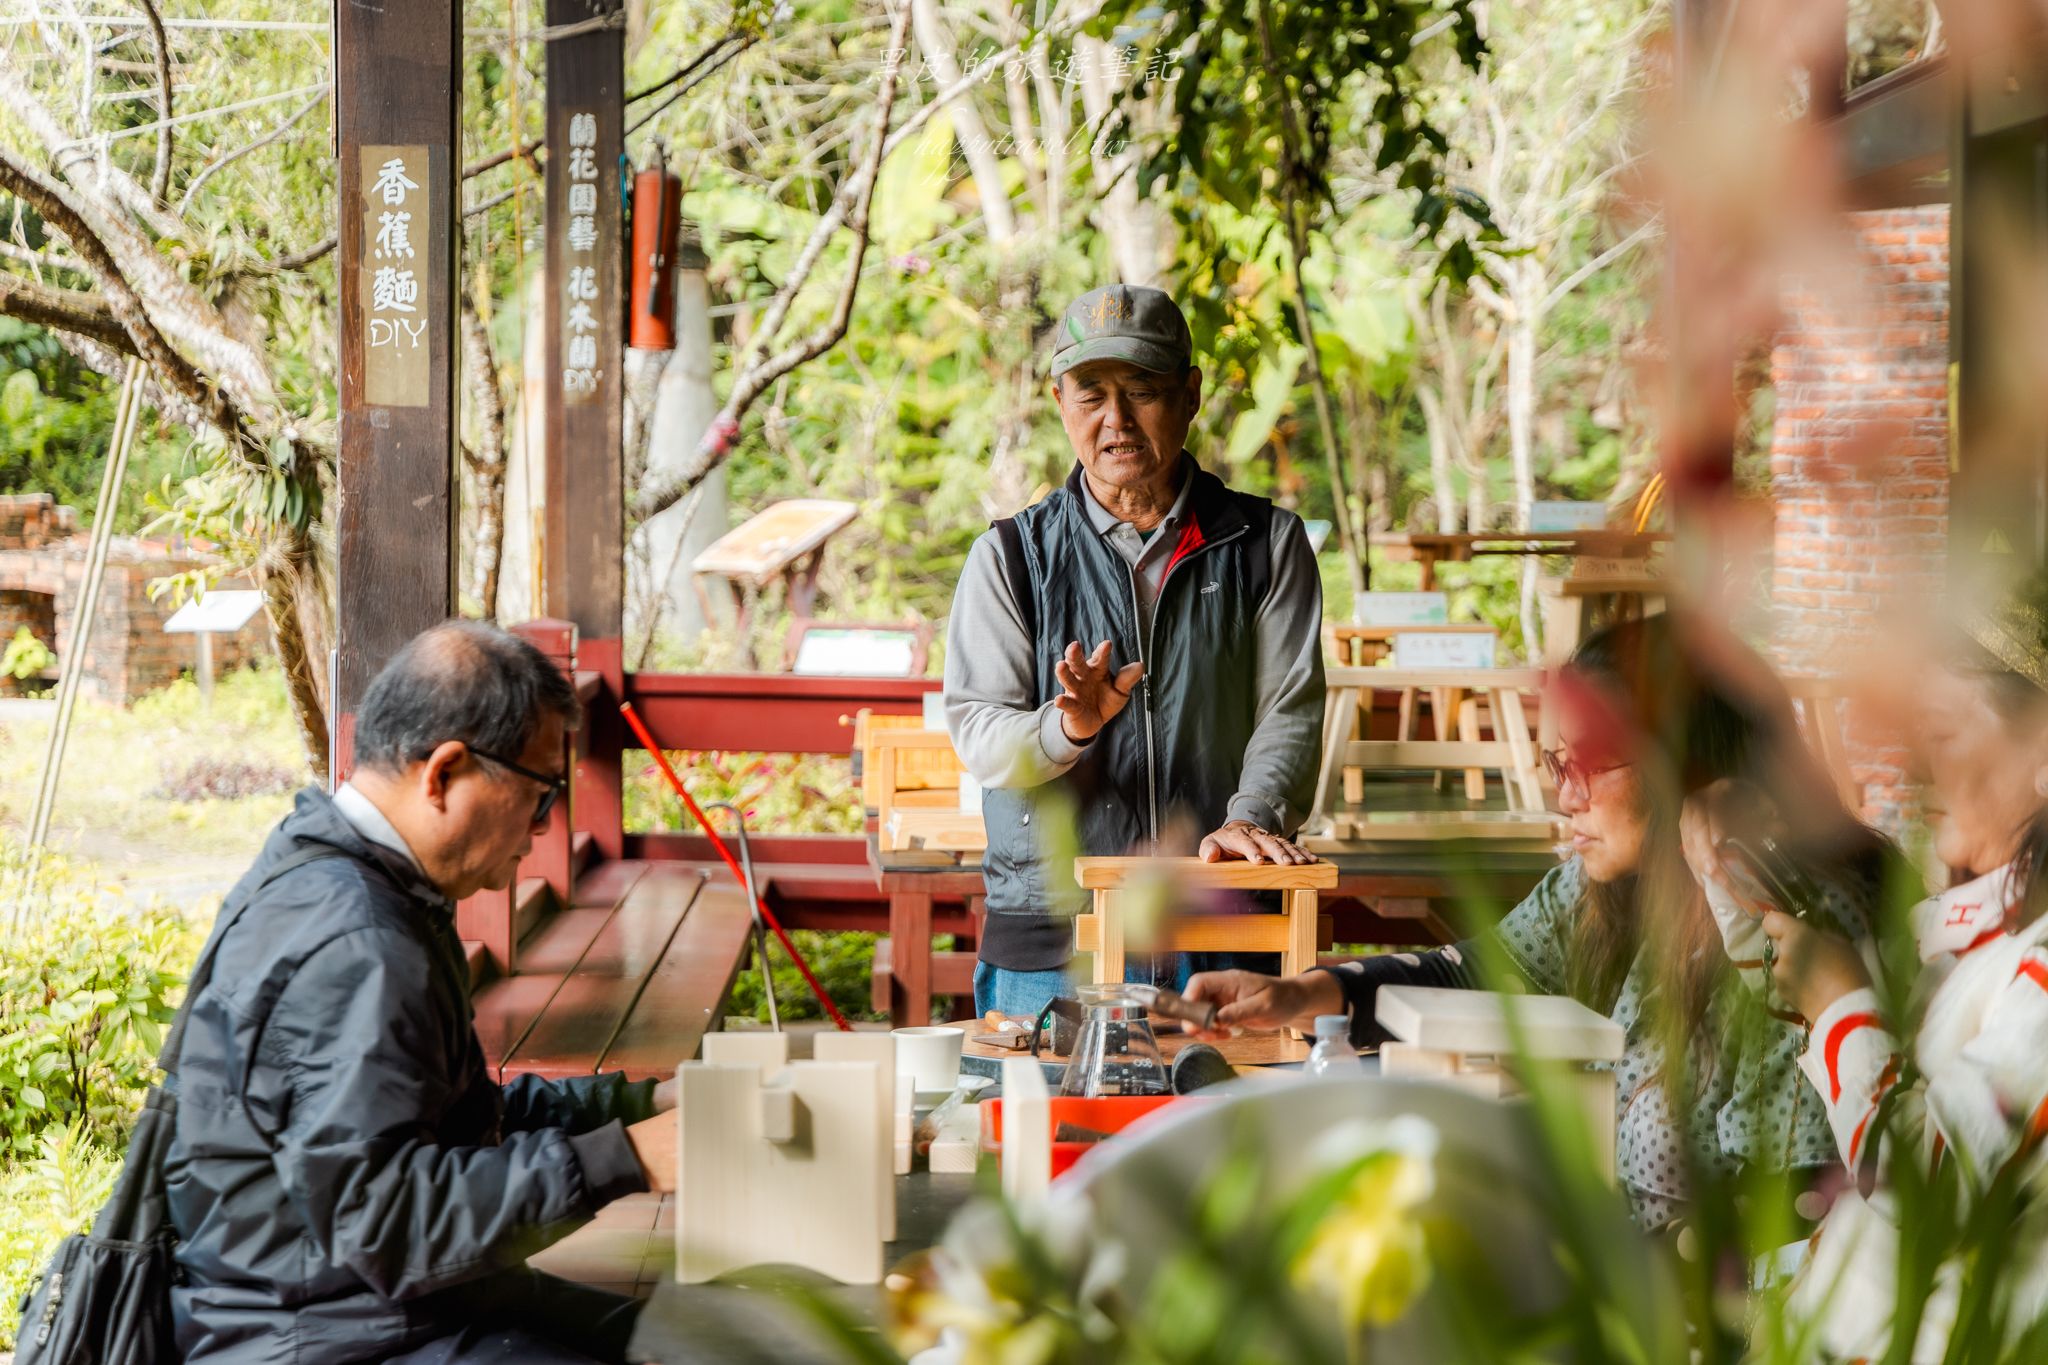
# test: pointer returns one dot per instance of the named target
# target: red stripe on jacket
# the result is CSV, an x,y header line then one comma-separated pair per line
x,y
1844,1026
1191,540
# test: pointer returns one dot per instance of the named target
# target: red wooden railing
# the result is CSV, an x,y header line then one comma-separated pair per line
x,y
764,712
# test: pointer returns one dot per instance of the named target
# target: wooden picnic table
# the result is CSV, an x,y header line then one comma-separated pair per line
x,y
1430,548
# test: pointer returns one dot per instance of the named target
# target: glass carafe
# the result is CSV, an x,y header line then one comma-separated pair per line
x,y
1116,1053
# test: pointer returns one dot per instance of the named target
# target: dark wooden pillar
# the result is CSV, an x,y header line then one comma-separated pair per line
x,y
1998,243
397,91
585,525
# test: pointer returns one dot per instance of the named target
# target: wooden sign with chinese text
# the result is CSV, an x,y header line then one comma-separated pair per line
x,y
586,522
397,73
398,337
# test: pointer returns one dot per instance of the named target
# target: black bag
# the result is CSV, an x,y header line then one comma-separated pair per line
x,y
105,1298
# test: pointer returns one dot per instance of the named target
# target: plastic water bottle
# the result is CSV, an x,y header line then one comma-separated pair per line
x,y
1333,1054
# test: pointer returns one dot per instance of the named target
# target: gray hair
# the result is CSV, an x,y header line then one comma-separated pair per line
x,y
460,680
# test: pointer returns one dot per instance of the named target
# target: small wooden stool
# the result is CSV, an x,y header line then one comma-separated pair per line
x,y
1296,934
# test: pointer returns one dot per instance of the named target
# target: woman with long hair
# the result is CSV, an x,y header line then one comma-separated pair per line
x,y
1649,713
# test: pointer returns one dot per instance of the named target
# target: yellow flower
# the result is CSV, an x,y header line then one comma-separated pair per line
x,y
1368,1254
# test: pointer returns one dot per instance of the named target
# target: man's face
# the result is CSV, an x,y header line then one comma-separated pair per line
x,y
1127,425
490,813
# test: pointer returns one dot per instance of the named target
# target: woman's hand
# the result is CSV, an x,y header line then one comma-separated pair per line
x,y
1813,969
1254,1002
1711,815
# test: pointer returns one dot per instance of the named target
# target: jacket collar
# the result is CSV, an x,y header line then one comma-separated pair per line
x,y
1967,916
314,819
1203,496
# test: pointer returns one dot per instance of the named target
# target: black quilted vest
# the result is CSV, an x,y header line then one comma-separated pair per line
x,y
1161,774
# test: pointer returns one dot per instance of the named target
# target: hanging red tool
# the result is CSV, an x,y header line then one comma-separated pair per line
x,y
675,783
657,218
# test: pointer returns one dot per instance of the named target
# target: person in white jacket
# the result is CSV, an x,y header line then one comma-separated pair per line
x,y
1971,1091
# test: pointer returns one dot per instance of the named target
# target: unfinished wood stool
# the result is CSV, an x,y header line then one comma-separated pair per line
x,y
1117,884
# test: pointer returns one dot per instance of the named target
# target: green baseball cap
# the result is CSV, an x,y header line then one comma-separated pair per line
x,y
1124,322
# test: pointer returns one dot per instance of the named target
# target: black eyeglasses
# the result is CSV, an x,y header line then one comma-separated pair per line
x,y
555,785
1567,772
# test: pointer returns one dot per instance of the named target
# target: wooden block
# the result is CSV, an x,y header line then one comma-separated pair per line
x,y
903,1126
811,1201
768,1051
1027,1132
778,1113
1553,1027
878,1050
1210,933
1471,679
1425,755
1112,874
1304,932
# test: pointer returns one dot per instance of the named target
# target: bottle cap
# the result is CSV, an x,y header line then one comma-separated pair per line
x,y
1333,1026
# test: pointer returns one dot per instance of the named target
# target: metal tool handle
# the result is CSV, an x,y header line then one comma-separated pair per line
x,y
753,907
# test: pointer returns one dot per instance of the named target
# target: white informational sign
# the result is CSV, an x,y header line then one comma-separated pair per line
x,y
220,612
935,710
1402,609
1318,534
856,653
1446,649
1550,517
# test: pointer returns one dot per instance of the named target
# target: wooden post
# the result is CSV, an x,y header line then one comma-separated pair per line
x,y
585,529
585,311
397,91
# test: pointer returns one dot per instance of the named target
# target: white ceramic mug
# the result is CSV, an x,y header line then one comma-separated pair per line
x,y
929,1055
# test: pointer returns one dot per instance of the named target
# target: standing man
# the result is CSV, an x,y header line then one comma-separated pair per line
x,y
1137,657
346,1179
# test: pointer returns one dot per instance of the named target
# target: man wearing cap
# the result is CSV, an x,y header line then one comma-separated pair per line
x,y
1136,658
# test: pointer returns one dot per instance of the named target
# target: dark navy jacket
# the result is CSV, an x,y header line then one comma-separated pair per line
x,y
344,1163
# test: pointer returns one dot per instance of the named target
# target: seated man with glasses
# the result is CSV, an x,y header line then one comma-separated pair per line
x,y
1653,724
347,1181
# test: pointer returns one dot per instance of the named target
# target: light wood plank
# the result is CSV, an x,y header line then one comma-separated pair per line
x,y
1110,874
1476,679
1223,933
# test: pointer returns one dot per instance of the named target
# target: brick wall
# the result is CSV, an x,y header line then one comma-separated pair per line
x,y
29,521
1859,459
42,572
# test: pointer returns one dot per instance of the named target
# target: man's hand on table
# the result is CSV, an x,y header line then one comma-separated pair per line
x,y
1252,1002
1245,840
1095,693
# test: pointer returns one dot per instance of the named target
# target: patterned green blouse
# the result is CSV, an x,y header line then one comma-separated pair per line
x,y
1749,1103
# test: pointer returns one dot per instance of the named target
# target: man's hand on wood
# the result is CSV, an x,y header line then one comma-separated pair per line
x,y
1243,839
1095,693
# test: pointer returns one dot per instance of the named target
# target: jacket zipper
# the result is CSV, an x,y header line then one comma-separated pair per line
x,y
1144,634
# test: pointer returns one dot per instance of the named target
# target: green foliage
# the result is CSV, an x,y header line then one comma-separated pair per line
x,y
842,962
25,657
55,420
44,1199
785,793
86,988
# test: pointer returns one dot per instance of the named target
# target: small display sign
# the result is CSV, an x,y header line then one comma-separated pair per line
x,y
1403,609
1551,517
858,653
1446,649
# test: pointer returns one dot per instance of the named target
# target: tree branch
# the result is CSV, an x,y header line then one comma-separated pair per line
x,y
67,310
170,368
160,178
1598,263
273,135
851,206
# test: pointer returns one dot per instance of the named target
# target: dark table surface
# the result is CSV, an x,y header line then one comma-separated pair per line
x,y
760,1316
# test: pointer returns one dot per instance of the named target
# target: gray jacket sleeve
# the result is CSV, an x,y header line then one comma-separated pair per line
x,y
576,1104
356,1037
991,678
1277,782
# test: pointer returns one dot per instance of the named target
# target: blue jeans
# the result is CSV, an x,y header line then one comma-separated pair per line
x,y
1024,994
